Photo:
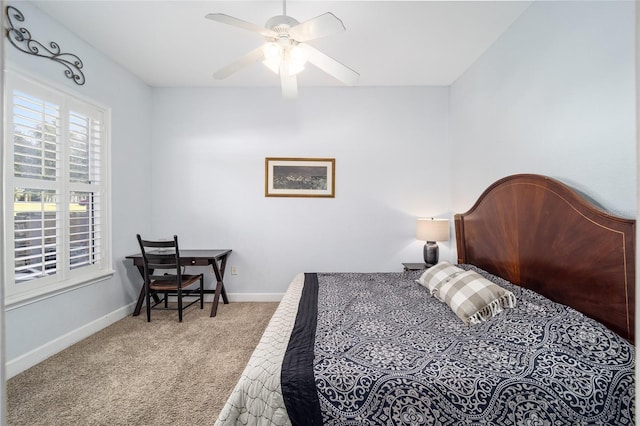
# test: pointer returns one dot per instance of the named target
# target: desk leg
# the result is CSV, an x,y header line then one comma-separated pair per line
x,y
220,290
138,308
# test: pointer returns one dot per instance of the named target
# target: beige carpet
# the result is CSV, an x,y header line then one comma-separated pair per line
x,y
139,373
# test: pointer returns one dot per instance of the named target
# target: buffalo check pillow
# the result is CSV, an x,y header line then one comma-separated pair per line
x,y
473,298
438,274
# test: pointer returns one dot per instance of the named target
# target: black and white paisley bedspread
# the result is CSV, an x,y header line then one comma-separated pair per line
x,y
388,353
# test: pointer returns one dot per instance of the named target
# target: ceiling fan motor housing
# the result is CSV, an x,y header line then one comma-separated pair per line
x,y
281,24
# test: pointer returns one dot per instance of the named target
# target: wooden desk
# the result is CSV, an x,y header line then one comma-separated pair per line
x,y
194,258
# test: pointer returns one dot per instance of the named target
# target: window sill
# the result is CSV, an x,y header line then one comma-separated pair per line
x,y
18,300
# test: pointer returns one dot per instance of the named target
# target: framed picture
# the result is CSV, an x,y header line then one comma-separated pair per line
x,y
300,177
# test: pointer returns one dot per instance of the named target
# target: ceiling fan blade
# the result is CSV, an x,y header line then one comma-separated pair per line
x,y
251,57
230,20
289,85
330,66
320,26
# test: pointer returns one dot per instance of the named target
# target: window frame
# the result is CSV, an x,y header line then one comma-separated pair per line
x,y
67,278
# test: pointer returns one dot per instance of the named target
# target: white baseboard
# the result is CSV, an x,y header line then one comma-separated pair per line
x,y
243,297
37,355
249,297
33,357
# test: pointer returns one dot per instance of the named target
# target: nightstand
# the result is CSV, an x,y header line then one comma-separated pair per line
x,y
415,266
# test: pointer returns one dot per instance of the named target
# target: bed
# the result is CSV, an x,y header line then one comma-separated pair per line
x,y
397,348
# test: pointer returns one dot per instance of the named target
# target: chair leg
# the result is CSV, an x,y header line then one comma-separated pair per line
x,y
166,299
180,304
147,290
201,291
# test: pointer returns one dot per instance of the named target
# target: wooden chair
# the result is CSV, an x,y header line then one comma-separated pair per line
x,y
165,256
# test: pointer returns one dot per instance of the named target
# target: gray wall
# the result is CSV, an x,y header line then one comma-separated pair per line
x,y
555,95
391,151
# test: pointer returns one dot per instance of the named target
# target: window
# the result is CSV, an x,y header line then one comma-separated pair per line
x,y
56,181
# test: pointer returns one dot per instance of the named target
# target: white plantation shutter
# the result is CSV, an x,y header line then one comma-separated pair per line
x,y
36,126
56,173
36,226
84,159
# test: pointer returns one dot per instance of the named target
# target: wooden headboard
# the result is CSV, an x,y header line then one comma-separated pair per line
x,y
540,234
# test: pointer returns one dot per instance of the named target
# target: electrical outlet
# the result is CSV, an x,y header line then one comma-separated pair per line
x,y
234,270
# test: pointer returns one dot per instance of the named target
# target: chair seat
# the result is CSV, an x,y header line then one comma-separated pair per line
x,y
168,285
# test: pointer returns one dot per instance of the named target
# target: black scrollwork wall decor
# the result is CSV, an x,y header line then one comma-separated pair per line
x,y
21,39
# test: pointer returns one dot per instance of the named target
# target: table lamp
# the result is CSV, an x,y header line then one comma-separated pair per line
x,y
431,230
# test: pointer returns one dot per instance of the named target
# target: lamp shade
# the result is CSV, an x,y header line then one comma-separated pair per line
x,y
432,229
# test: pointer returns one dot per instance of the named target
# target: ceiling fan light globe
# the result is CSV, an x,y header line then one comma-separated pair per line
x,y
272,51
296,60
272,56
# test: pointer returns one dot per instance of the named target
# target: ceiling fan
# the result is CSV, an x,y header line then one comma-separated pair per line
x,y
286,52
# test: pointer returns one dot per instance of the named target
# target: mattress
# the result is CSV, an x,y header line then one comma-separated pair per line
x,y
381,350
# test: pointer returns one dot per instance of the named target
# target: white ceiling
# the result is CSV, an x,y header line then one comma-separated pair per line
x,y
390,43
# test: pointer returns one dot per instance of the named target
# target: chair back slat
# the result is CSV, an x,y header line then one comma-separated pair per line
x,y
166,261
159,244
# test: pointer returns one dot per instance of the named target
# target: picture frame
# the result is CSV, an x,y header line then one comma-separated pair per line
x,y
299,177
